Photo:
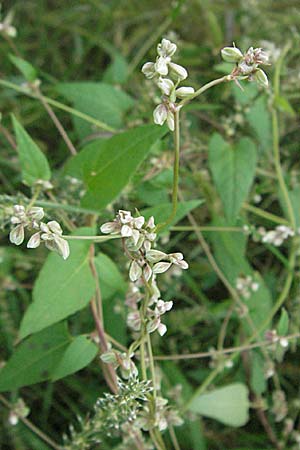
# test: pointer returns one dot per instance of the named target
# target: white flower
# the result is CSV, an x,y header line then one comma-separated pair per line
x,y
16,236
178,71
165,85
135,271
51,233
166,48
261,78
162,329
161,267
34,241
6,27
161,65
148,70
160,114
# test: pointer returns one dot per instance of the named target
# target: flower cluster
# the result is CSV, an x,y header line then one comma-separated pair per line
x,y
113,412
158,71
6,27
145,264
245,285
247,64
277,236
50,233
162,419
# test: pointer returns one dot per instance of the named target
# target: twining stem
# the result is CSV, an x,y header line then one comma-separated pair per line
x,y
174,438
265,214
224,351
30,425
56,121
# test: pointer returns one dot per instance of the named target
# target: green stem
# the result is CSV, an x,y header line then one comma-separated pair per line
x,y
265,214
175,171
204,88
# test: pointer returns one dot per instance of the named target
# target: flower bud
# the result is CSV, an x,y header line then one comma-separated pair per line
x,y
161,66
261,78
135,271
16,236
178,71
184,92
161,267
154,256
160,114
166,48
165,85
148,70
34,241
231,54
109,357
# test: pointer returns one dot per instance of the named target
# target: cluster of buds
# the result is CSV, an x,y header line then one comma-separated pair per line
x,y
145,264
219,360
20,409
247,64
277,236
167,75
49,233
245,285
6,27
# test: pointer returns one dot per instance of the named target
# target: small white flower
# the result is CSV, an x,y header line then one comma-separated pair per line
x,y
34,241
161,65
16,236
178,71
166,86
160,114
135,271
154,256
161,267
148,70
162,329
261,78
166,48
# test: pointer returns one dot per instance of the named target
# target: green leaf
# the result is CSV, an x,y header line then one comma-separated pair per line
x,y
233,170
61,289
284,105
35,359
283,324
111,279
257,380
229,405
259,119
229,251
99,100
33,162
163,211
78,355
108,165
24,67
117,71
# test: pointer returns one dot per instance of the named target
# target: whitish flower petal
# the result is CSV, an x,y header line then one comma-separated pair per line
x,y
139,222
165,85
162,329
62,247
44,228
125,216
160,114
126,231
161,267
171,121
166,48
161,66
135,236
179,71
135,271
147,271
54,227
182,264
148,70
34,241
154,256
16,236
36,213
109,227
